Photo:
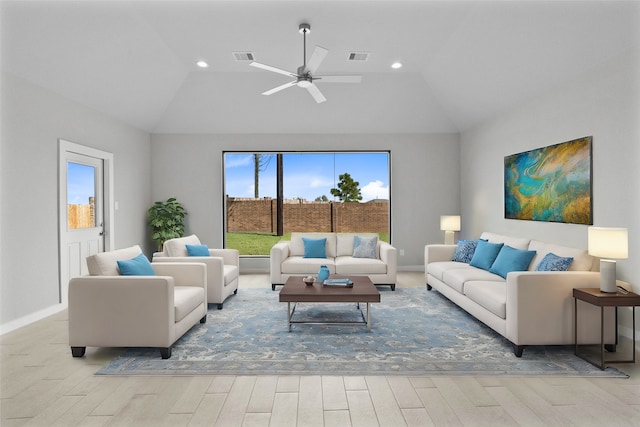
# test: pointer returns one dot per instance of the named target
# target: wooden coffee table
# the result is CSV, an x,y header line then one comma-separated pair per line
x,y
296,291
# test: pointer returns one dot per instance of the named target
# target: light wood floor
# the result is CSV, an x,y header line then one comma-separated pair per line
x,y
42,385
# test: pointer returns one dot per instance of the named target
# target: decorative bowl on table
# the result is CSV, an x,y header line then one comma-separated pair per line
x,y
308,280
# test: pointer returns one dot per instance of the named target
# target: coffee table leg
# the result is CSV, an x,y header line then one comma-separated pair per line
x,y
289,315
368,318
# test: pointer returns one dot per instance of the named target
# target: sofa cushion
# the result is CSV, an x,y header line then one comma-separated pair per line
x,y
553,262
178,247
296,245
197,250
514,242
489,294
365,247
464,251
437,269
314,248
350,265
105,263
345,245
511,259
582,261
485,254
300,265
186,299
456,278
137,266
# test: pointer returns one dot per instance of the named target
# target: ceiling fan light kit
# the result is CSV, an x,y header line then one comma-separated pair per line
x,y
304,75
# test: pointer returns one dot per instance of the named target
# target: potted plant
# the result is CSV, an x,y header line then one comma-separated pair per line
x,y
166,220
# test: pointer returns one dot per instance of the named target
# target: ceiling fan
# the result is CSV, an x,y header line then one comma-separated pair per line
x,y
304,77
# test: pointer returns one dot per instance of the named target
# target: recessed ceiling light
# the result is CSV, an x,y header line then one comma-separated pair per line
x,y
202,64
396,65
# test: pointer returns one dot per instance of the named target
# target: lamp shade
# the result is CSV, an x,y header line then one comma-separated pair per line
x,y
608,242
450,222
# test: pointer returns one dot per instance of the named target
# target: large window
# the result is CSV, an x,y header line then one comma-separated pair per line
x,y
269,195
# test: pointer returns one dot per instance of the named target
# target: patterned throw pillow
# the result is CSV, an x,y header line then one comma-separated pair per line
x,y
553,262
464,251
365,247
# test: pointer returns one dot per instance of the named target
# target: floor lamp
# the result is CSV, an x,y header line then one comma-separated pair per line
x,y
608,244
449,224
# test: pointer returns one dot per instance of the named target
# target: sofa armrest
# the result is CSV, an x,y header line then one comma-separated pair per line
x,y
229,256
389,255
279,252
184,273
436,253
121,311
539,305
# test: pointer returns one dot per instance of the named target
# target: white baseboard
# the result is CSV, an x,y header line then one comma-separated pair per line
x,y
31,318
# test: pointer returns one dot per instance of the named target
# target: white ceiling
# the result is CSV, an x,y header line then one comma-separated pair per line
x,y
464,61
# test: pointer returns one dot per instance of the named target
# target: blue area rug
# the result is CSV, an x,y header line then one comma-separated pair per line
x,y
414,332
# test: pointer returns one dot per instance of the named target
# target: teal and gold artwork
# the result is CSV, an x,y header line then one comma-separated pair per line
x,y
550,184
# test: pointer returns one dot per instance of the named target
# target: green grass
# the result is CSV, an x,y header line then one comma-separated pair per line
x,y
254,243
261,243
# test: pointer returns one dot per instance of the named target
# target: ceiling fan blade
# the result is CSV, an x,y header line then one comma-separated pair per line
x,y
316,59
315,92
338,79
273,69
279,88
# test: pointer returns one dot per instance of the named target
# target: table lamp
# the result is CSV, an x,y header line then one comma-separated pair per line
x,y
449,224
608,244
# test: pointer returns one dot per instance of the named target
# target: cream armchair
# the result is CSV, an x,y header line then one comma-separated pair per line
x,y
223,266
107,309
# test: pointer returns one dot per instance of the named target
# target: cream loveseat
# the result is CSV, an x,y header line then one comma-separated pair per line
x,y
288,258
527,307
107,309
223,266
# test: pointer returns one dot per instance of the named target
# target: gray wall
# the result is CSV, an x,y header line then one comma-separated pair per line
x,y
33,120
604,103
424,176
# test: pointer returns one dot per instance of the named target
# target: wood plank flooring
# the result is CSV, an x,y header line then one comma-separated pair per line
x,y
42,385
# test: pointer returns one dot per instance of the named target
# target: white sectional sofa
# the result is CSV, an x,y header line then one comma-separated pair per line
x,y
527,307
288,258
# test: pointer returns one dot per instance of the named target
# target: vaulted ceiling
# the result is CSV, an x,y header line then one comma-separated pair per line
x,y
464,61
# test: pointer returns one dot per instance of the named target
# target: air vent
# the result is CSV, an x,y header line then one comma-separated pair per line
x,y
243,56
359,56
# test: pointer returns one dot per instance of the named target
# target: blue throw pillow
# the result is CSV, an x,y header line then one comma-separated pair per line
x,y
365,247
553,262
314,248
511,259
197,250
138,266
485,254
464,251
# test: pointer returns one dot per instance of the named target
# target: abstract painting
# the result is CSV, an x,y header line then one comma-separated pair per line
x,y
550,184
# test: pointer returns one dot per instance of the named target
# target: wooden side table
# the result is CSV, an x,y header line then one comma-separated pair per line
x,y
602,299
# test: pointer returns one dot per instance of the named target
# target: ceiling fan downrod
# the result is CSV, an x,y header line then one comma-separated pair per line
x,y
304,28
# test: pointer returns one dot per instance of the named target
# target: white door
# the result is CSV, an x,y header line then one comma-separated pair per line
x,y
82,209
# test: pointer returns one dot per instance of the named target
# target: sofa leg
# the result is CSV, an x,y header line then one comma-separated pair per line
x,y
235,292
518,349
220,306
273,286
165,353
204,319
78,351
611,348
429,287
393,286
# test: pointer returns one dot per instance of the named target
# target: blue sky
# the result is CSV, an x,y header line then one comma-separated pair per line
x,y
309,175
80,183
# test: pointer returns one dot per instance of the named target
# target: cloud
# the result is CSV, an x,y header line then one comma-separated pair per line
x,y
237,161
374,190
